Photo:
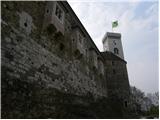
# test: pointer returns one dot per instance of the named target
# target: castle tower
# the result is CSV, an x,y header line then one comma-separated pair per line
x,y
112,43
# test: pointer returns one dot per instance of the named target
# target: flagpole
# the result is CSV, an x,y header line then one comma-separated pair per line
x,y
112,29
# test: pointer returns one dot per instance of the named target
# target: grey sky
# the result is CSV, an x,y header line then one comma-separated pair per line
x,y
138,24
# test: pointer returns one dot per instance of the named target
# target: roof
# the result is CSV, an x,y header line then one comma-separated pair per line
x,y
110,56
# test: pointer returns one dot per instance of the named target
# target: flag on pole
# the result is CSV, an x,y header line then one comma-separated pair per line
x,y
114,24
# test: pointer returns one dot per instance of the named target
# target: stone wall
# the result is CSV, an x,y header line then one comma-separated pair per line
x,y
37,60
117,78
46,57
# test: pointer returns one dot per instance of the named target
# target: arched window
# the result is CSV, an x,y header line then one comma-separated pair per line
x,y
116,51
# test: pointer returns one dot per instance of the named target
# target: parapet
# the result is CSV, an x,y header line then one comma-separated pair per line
x,y
111,35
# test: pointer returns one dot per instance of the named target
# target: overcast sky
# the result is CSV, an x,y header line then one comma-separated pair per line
x,y
138,25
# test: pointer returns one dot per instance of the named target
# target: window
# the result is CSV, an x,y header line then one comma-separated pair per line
x,y
114,71
113,63
59,13
25,24
61,47
73,40
47,11
116,51
86,52
125,104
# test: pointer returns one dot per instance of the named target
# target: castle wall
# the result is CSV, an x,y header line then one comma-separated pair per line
x,y
33,53
36,49
51,18
117,78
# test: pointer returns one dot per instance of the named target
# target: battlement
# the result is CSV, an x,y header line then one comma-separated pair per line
x,y
111,35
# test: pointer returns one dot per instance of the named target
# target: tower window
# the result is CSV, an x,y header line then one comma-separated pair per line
x,y
59,13
116,51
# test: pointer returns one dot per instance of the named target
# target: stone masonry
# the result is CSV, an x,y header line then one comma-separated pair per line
x,y
44,43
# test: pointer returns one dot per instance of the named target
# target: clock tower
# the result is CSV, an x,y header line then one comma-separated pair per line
x,y
112,43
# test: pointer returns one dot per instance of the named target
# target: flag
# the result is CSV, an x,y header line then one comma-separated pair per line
x,y
114,24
